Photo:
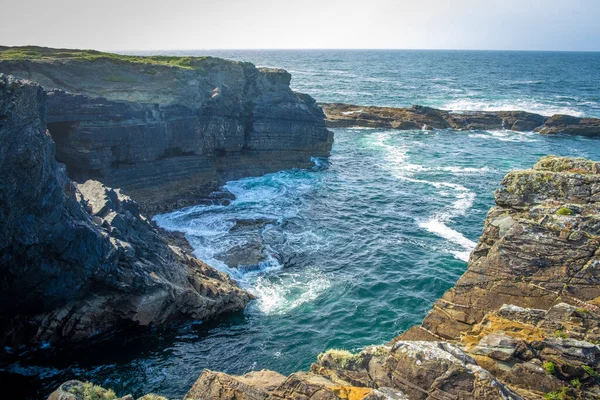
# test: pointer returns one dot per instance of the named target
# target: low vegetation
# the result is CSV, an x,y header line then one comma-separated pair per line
x,y
343,358
563,394
550,367
38,53
590,371
561,334
89,391
565,211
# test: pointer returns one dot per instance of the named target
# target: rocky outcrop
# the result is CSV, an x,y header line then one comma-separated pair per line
x,y
522,322
79,259
169,130
419,117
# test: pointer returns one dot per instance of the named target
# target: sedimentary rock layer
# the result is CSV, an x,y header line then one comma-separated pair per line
x,y
79,259
522,322
418,117
169,130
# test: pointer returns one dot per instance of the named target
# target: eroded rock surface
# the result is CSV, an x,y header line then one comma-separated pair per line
x,y
522,322
79,259
419,117
169,134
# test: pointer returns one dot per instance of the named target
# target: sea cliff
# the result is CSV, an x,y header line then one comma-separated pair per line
x,y
168,131
522,322
77,260
94,143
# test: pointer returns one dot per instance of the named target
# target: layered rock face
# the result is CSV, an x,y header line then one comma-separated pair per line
x,y
79,259
169,134
418,117
522,323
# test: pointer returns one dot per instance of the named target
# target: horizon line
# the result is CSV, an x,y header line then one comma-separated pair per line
x,y
361,49
311,49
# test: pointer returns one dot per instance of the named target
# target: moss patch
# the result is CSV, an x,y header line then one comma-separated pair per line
x,y
564,211
590,371
550,367
563,394
560,334
342,358
89,391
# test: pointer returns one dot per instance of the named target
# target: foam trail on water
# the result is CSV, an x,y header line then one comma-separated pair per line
x,y
437,224
506,136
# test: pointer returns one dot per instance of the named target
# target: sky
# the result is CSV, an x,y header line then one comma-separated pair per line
x,y
122,25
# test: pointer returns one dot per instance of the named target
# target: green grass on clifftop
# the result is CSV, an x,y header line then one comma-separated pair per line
x,y
40,53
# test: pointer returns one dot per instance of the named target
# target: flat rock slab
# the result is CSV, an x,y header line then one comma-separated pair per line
x,y
341,115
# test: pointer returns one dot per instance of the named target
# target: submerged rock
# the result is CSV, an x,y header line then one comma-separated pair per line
x,y
79,259
419,117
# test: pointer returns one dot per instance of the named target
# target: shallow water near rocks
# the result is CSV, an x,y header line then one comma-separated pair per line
x,y
354,251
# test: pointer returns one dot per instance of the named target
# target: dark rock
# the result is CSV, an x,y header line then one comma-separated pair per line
x,y
247,255
573,125
77,260
419,117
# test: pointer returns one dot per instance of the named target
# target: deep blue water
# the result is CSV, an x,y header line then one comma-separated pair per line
x,y
358,248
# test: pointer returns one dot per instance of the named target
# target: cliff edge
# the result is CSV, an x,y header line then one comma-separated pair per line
x,y
165,130
522,322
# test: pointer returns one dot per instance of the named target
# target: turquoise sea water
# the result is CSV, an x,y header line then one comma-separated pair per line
x,y
359,247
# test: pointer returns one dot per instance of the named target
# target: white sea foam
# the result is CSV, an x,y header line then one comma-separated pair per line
x,y
352,112
528,105
396,162
209,230
506,136
284,292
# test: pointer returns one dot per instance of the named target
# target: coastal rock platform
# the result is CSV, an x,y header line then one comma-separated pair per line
x,y
341,115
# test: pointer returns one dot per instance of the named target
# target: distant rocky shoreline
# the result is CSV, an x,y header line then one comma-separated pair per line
x,y
341,115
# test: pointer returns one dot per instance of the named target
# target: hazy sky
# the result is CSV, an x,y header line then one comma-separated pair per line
x,y
240,24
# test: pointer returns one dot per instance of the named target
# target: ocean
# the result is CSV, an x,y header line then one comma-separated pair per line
x,y
358,248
